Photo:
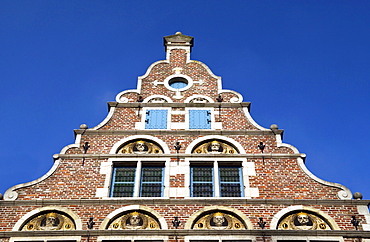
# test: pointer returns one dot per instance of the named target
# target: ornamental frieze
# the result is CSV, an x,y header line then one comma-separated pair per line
x,y
134,220
303,221
49,221
140,147
215,147
219,220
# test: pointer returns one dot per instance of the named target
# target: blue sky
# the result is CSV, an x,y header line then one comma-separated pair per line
x,y
304,65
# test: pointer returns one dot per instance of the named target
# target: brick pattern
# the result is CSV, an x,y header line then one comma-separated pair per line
x,y
276,178
253,212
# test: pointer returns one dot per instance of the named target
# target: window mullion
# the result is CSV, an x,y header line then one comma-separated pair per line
x,y
216,181
137,179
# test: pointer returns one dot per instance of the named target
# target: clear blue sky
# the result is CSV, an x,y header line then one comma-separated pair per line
x,y
304,65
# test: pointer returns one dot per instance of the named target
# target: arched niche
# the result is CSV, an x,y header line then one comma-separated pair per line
x,y
214,146
49,218
198,99
303,218
140,144
208,145
218,218
133,217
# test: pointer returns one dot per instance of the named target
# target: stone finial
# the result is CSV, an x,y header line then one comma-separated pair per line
x,y
357,196
274,127
178,40
83,126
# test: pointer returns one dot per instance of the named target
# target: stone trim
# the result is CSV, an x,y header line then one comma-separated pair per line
x,y
195,132
115,213
105,121
11,194
185,201
200,212
237,99
180,155
116,146
211,137
29,215
189,232
180,105
276,218
46,239
345,193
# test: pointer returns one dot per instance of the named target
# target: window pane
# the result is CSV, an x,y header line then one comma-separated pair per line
x,y
202,181
151,182
230,182
202,174
123,182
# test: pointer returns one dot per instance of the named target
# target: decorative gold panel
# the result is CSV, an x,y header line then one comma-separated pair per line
x,y
140,147
219,220
215,147
134,220
303,221
49,221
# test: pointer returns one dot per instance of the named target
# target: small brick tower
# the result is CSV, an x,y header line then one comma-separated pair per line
x,y
181,159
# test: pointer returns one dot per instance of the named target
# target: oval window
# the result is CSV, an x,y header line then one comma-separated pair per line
x,y
178,82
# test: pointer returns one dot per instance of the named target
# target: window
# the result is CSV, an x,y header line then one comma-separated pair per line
x,y
156,119
199,119
216,180
138,180
178,82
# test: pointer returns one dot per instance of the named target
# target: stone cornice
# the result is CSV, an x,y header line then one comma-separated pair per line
x,y
179,105
177,132
184,201
186,232
179,156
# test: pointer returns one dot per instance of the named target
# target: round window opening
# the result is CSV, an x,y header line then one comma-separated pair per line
x,y
178,82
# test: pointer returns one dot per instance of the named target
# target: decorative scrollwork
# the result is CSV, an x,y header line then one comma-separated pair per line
x,y
219,220
49,221
303,221
215,147
140,147
134,220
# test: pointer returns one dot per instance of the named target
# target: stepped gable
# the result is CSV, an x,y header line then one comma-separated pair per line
x,y
179,152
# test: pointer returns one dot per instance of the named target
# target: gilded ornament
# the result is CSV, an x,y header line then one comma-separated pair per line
x,y
218,220
303,221
140,147
134,220
49,221
215,147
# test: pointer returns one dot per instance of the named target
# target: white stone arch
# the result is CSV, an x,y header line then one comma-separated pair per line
x,y
208,209
21,222
278,216
187,100
210,137
139,208
168,99
116,146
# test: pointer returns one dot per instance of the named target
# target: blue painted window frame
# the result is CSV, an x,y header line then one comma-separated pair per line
x,y
131,183
115,184
236,181
154,183
196,183
238,184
